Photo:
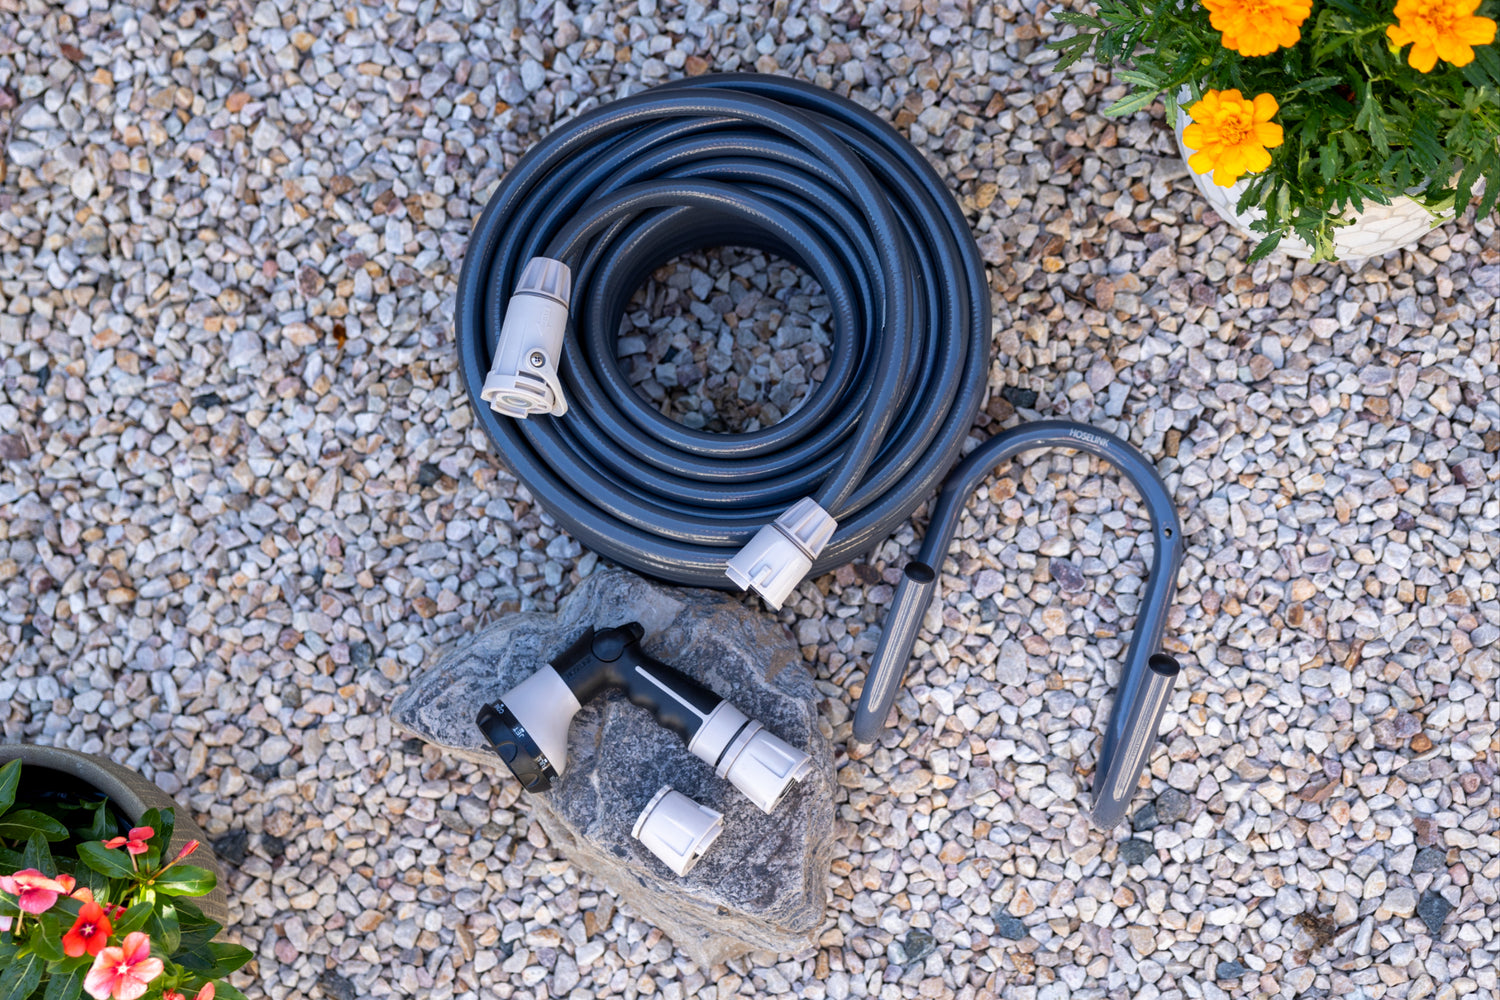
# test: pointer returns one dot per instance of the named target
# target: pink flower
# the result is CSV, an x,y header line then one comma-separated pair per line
x,y
124,972
136,843
35,892
187,849
206,993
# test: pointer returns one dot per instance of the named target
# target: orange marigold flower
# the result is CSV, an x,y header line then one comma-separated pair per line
x,y
1439,29
1231,134
1258,27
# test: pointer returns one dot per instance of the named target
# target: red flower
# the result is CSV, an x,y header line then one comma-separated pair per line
x,y
136,843
90,932
123,973
35,892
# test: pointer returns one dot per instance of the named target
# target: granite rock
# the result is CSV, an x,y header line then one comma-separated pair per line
x,y
1434,909
763,885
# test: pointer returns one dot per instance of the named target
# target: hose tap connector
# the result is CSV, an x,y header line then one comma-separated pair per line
x,y
523,379
782,552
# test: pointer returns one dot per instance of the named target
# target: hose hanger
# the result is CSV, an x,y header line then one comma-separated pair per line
x,y
1149,673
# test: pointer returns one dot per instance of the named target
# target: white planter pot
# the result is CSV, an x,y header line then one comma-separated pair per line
x,y
1376,231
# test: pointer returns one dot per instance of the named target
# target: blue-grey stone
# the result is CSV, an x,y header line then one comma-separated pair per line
x,y
918,944
1429,859
1145,818
1231,970
1010,928
763,884
1433,909
1134,851
1171,806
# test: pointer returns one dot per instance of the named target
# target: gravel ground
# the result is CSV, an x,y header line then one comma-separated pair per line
x,y
242,498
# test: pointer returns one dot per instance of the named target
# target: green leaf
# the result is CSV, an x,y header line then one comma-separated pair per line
x,y
163,927
1316,85
1264,248
67,983
213,960
47,938
1328,160
38,855
227,992
22,823
163,821
10,780
113,862
186,880
1131,103
134,918
103,826
22,976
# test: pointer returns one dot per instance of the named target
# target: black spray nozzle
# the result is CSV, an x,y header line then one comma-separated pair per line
x,y
1149,674
528,726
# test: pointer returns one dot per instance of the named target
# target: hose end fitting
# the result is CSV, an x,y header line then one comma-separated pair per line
x,y
523,379
676,829
763,766
782,552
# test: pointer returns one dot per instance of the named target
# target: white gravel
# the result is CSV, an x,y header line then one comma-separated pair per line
x,y
242,498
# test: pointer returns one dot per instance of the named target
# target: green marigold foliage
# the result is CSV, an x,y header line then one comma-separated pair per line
x,y
1360,123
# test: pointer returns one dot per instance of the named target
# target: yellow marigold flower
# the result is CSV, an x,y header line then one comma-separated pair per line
x,y
1439,29
1231,134
1258,27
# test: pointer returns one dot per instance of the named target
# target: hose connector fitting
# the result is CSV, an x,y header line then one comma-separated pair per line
x,y
782,552
676,829
523,379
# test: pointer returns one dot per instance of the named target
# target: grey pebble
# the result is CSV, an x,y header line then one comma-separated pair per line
x,y
1134,851
1171,806
1010,928
1433,908
918,944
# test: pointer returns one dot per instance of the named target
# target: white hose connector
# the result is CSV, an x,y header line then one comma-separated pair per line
x,y
523,378
676,829
760,764
782,552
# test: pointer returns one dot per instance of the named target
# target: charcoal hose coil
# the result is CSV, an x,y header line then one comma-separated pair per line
x,y
771,164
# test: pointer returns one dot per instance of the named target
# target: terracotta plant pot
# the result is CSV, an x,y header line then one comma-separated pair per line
x,y
132,794
1376,231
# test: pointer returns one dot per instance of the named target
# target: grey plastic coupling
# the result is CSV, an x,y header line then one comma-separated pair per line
x,y
781,554
523,380
676,829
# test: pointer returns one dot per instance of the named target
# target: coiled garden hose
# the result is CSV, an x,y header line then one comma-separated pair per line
x,y
756,161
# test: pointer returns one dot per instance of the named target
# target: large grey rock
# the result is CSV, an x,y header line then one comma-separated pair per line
x,y
763,883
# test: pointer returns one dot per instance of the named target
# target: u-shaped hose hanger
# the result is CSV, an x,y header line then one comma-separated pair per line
x,y
1149,674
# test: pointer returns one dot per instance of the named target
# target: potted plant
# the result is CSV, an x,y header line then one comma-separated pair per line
x,y
96,891
1327,127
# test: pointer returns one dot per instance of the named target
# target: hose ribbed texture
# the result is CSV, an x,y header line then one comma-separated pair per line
x,y
762,162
